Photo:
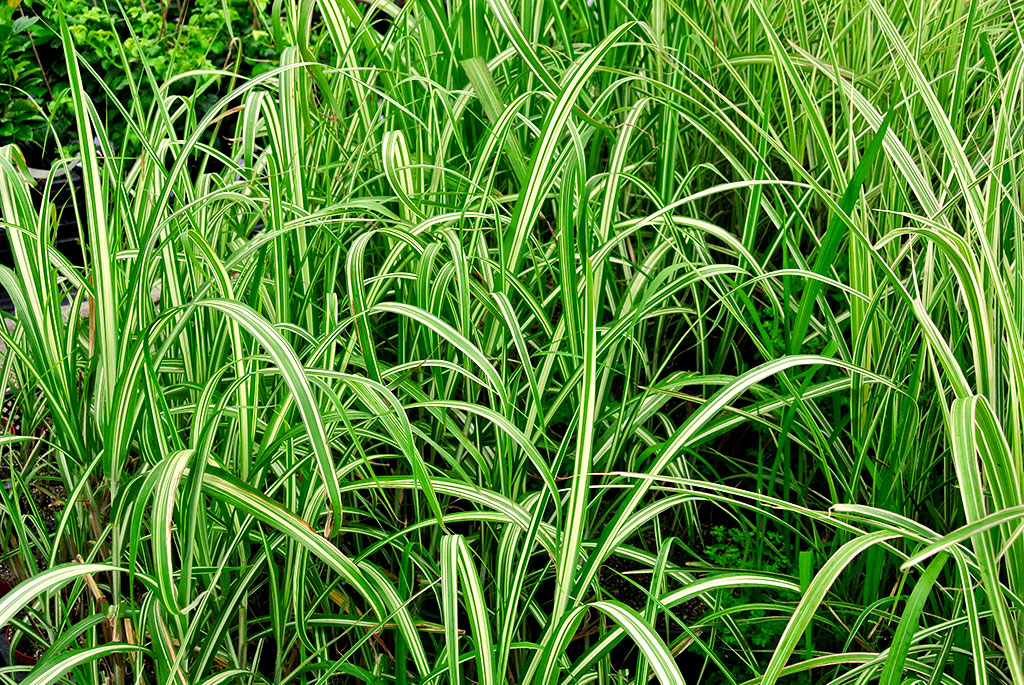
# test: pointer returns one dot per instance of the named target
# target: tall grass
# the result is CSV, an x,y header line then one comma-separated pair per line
x,y
535,343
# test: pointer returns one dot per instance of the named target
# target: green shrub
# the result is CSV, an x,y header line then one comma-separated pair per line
x,y
120,44
22,86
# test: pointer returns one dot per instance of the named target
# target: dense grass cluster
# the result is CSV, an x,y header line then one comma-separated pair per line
x,y
533,342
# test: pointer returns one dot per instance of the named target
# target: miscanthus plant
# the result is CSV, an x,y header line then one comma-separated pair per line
x,y
533,342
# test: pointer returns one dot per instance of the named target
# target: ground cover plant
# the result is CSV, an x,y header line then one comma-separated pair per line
x,y
121,43
530,342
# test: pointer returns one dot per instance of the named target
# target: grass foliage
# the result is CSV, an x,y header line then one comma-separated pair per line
x,y
534,342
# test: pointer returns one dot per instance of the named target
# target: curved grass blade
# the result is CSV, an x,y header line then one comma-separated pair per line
x,y
25,592
48,671
227,488
295,377
812,599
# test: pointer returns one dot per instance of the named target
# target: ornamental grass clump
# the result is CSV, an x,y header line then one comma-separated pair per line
x,y
530,343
